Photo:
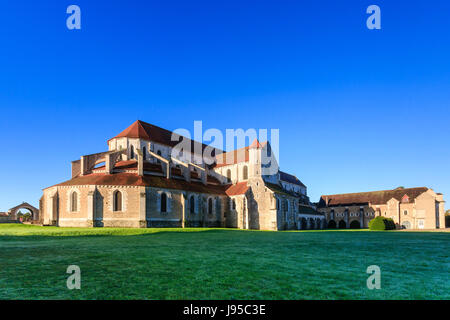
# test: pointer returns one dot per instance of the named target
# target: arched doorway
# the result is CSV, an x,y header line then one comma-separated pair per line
x,y
342,224
34,212
24,215
406,225
331,224
355,225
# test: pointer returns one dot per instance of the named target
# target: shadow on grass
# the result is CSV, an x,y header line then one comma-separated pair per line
x,y
14,232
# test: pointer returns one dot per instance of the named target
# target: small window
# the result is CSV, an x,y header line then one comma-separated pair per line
x,y
117,201
210,206
144,153
192,204
159,154
132,152
405,212
163,202
245,173
234,204
229,175
74,202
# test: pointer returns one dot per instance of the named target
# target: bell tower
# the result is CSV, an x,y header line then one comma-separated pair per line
x,y
255,159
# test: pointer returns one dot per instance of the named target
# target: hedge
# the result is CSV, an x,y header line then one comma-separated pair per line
x,y
382,223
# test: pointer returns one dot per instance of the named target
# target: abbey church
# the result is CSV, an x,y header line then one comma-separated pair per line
x,y
139,182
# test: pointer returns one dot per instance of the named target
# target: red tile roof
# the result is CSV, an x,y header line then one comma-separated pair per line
x,y
146,131
256,145
132,179
239,155
237,189
374,197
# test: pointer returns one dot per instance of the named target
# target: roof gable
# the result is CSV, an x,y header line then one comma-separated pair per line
x,y
146,131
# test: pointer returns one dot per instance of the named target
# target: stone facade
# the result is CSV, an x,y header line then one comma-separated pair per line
x,y
412,208
138,183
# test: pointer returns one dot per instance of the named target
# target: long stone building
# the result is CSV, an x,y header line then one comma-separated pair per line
x,y
139,182
411,208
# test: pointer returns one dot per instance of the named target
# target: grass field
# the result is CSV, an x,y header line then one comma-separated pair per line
x,y
221,264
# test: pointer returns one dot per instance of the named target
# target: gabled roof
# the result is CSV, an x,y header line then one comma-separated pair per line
x,y
146,131
374,197
24,205
237,189
256,145
239,155
290,178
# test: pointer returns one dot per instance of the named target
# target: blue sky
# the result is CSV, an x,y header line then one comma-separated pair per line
x,y
357,109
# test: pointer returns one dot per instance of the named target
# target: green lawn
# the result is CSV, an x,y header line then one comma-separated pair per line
x,y
221,264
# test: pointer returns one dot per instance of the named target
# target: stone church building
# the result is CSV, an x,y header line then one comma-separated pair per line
x,y
410,208
139,183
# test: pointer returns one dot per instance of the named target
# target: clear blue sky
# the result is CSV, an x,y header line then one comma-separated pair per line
x,y
357,109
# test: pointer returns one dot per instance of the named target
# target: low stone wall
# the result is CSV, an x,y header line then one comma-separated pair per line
x,y
7,219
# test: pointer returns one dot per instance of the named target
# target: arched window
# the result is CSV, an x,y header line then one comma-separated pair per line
x,y
210,206
192,204
163,202
144,153
117,201
132,152
229,175
74,202
406,225
245,173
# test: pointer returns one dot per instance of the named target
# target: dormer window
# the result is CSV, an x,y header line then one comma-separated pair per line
x,y
405,199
